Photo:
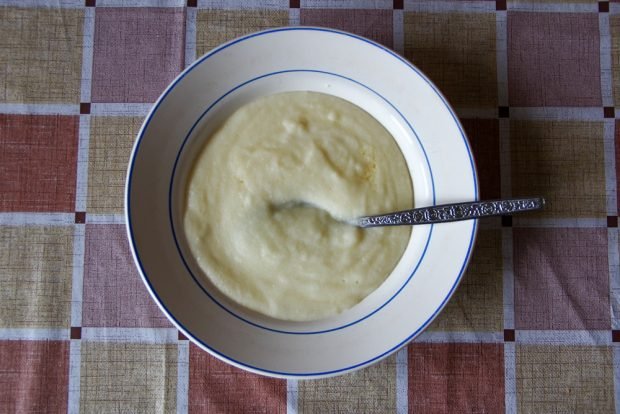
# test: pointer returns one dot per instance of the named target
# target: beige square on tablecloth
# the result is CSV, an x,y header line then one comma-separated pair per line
x,y
35,274
128,377
458,52
214,27
370,390
111,141
40,55
564,161
477,304
564,379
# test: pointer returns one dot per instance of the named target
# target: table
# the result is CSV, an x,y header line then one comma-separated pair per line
x,y
535,324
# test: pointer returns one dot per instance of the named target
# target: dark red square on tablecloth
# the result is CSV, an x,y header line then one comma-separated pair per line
x,y
553,59
373,24
609,112
483,135
34,376
506,221
603,6
561,278
136,52
76,332
38,161
114,295
456,378
80,217
216,387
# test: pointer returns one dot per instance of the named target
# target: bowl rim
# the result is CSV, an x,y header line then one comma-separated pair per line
x,y
219,354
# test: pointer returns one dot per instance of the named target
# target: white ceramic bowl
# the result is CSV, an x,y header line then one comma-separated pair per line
x,y
300,58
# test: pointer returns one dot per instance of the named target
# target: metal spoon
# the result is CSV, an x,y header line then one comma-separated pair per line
x,y
451,212
435,214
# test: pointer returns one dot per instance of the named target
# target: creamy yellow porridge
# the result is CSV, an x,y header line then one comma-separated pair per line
x,y
268,196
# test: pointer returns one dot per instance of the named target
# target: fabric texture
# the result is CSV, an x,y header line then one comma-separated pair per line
x,y
534,326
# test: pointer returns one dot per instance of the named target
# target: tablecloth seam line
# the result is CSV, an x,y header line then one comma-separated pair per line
x,y
77,276
605,60
81,204
510,374
74,385
614,277
508,320
294,17
81,176
130,334
40,108
63,4
56,219
559,222
92,218
34,334
616,373
501,61
128,109
88,44
190,35
402,380
601,337
182,376
508,279
132,109
292,396
52,219
609,152
398,31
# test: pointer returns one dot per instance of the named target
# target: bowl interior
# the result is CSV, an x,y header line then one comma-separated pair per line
x,y
362,96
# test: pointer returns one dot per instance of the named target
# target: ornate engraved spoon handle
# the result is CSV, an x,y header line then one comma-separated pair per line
x,y
452,212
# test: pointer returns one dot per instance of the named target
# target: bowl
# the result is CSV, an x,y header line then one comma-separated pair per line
x,y
356,69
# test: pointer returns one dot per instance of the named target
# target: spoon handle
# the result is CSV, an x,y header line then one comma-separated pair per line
x,y
452,212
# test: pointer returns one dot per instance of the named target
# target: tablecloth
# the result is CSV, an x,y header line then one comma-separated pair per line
x,y
535,324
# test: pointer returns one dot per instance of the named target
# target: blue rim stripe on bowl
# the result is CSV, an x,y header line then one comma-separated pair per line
x,y
179,325
174,235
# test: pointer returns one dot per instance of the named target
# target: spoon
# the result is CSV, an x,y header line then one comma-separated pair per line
x,y
451,212
439,214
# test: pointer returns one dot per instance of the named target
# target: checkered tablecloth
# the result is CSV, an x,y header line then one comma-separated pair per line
x,y
534,326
